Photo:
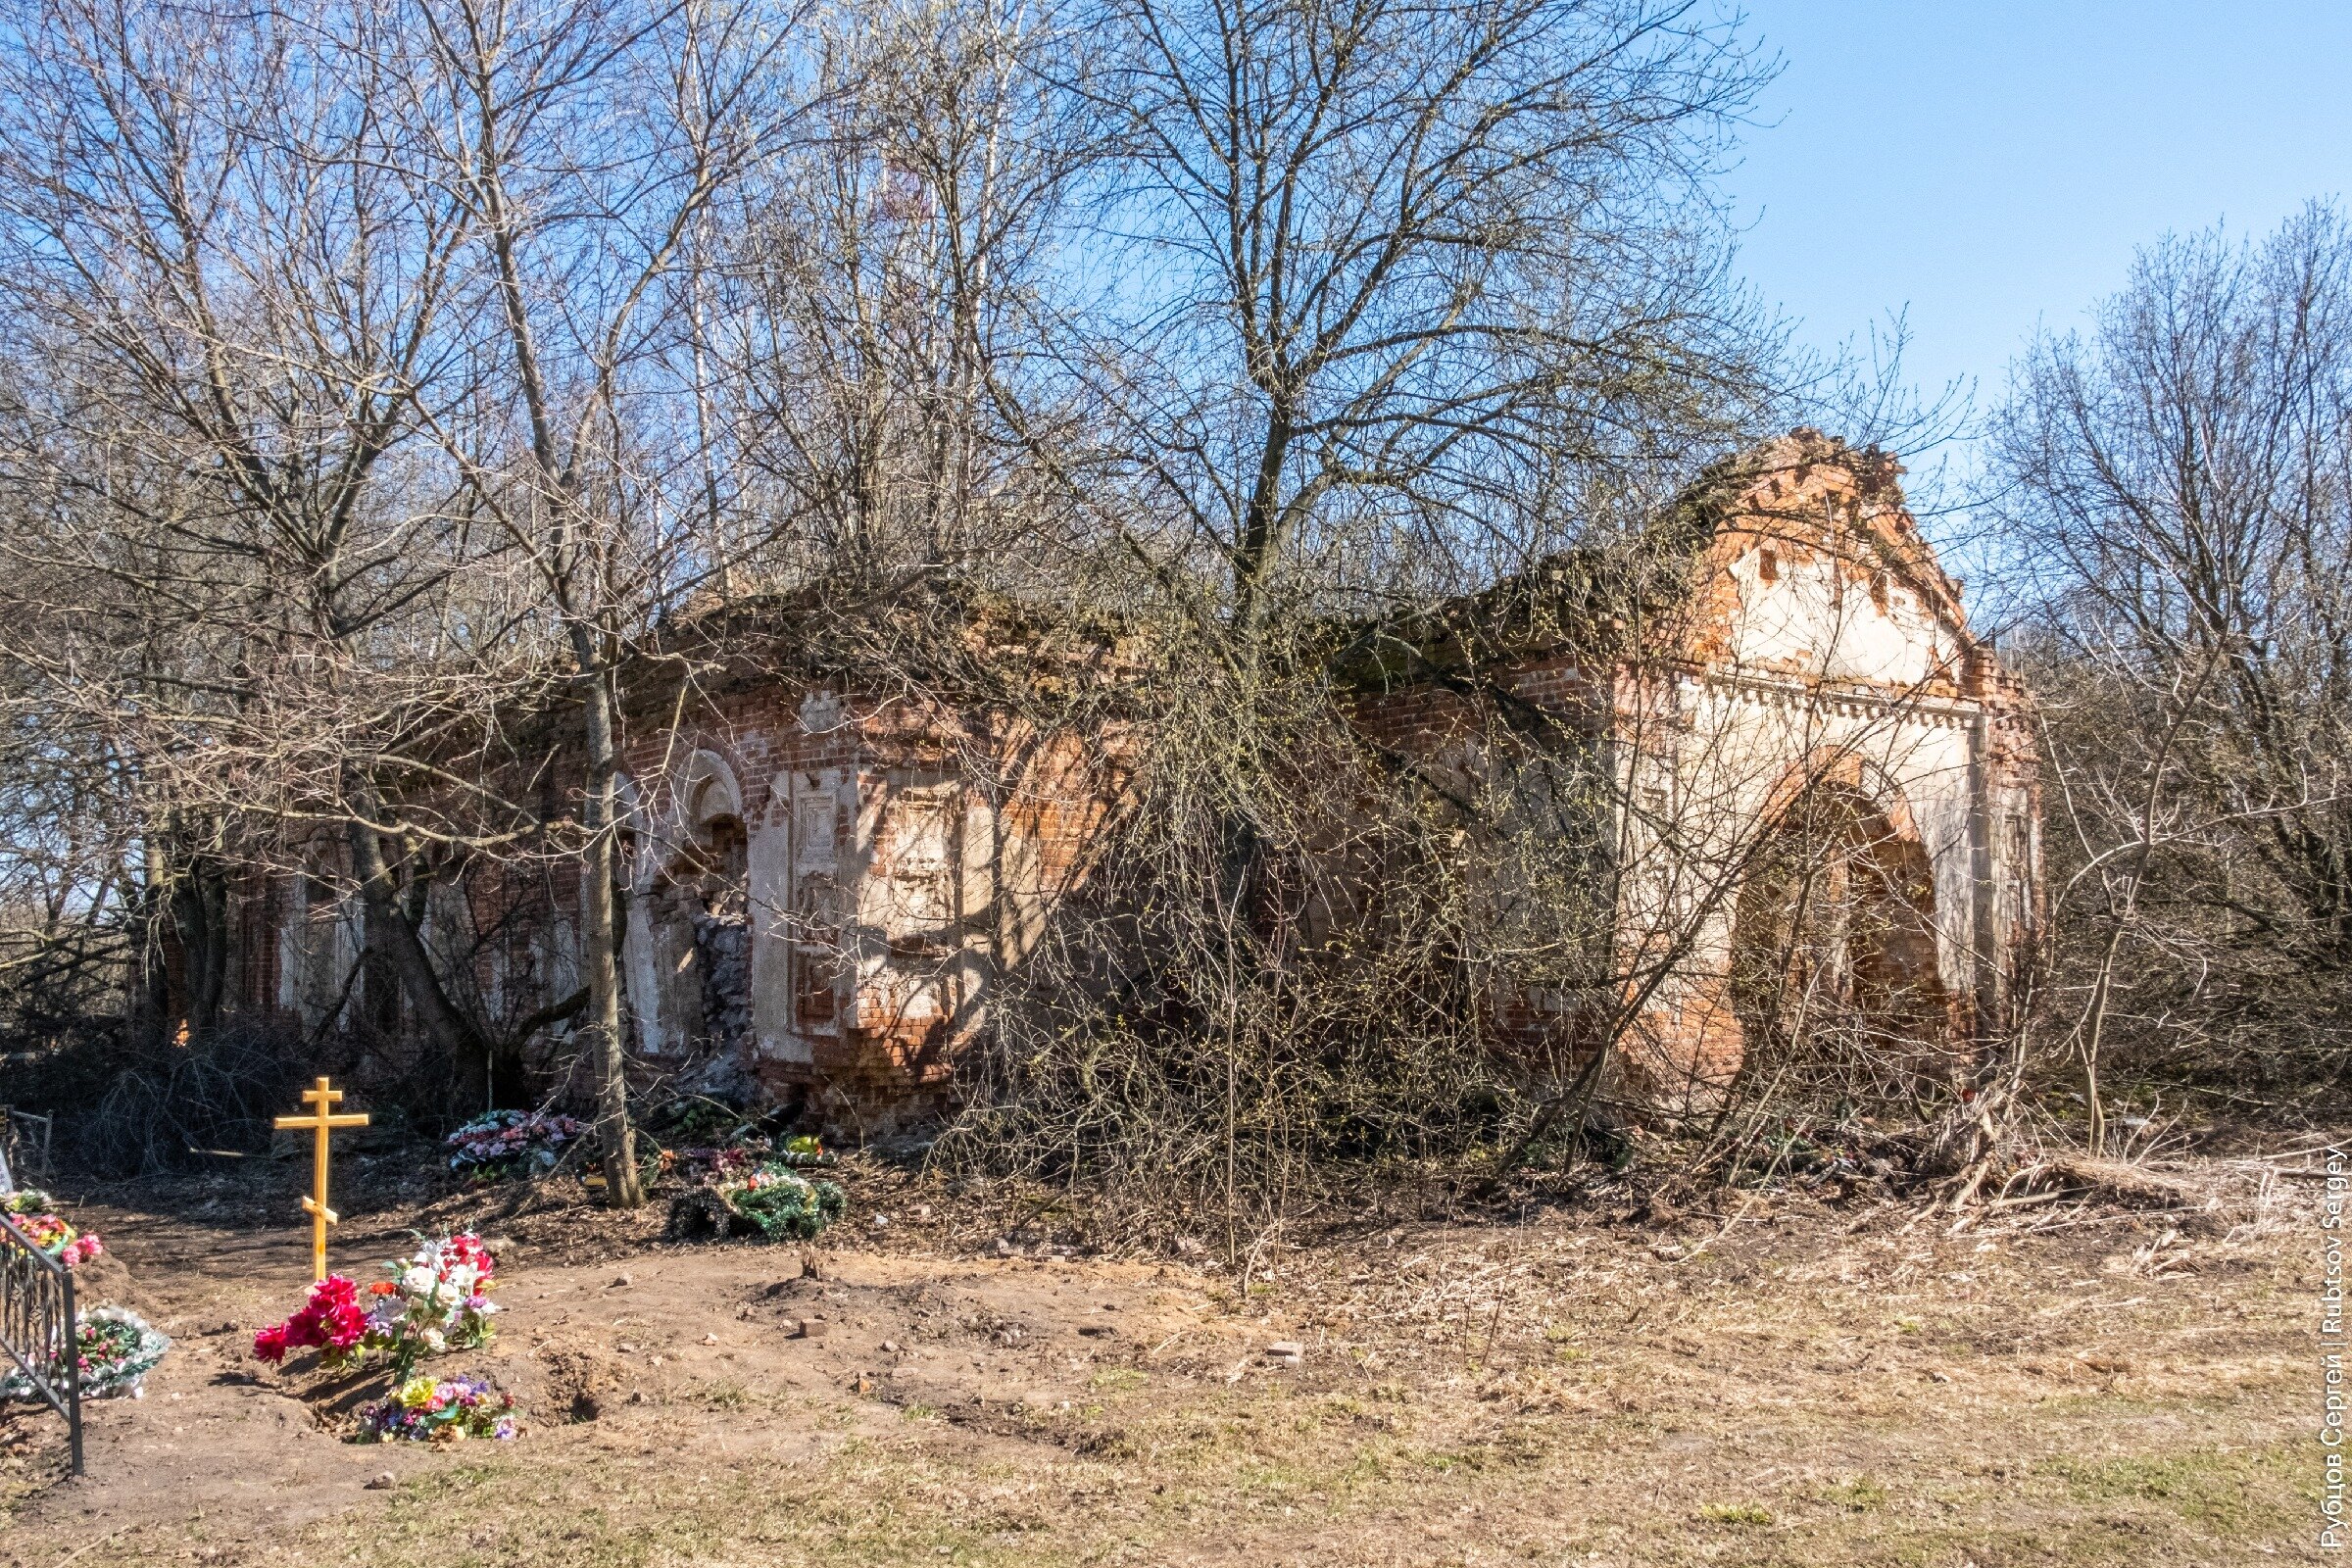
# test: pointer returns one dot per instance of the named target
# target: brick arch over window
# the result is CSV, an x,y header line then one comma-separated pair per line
x,y
670,819
1828,936
1843,768
709,790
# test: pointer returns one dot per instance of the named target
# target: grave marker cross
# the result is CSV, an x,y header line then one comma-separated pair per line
x,y
319,1121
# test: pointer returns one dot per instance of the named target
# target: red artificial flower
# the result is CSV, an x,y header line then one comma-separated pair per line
x,y
383,1288
331,1317
344,1326
467,1248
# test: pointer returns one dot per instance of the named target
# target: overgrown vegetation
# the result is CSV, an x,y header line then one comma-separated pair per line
x,y
2181,499
407,402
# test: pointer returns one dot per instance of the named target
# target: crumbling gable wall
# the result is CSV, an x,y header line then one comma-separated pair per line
x,y
1812,694
1829,663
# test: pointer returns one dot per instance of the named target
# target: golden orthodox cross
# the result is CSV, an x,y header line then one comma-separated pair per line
x,y
319,1121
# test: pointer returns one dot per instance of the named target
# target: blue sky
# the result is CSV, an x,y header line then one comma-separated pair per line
x,y
1992,165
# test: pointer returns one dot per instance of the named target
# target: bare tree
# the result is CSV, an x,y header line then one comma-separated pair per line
x,y
1415,289
1380,304
2179,487
586,146
882,295
239,299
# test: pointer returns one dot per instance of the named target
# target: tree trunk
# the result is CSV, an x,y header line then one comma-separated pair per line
x,y
600,940
151,977
442,1020
200,920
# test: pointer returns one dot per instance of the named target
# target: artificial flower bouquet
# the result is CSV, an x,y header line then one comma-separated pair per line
x,y
331,1322
114,1350
784,1203
435,1300
501,1144
118,1350
33,1212
438,1301
771,1201
734,1163
58,1238
428,1409
709,1163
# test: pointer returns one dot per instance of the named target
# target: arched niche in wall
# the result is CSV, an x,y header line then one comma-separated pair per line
x,y
709,792
693,936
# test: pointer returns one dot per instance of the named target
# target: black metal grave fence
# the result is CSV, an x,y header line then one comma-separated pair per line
x,y
37,1326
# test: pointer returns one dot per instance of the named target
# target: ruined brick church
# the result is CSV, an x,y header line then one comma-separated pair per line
x,y
824,898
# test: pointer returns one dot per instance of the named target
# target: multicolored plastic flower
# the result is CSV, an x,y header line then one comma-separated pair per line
x,y
433,1301
56,1236
452,1409
508,1143
115,1348
783,1204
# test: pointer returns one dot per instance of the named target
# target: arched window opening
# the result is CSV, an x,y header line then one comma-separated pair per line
x,y
712,885
697,908
1833,968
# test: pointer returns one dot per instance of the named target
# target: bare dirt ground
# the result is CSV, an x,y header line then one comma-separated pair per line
x,y
1775,1383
